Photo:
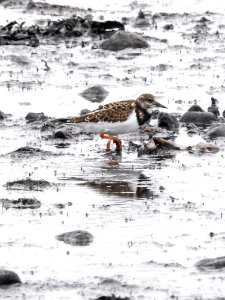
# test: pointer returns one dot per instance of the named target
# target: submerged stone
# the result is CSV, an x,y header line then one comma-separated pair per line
x,y
167,121
112,297
198,118
196,107
62,134
2,115
95,93
32,117
141,21
218,131
21,203
8,277
122,40
76,238
211,263
27,184
27,151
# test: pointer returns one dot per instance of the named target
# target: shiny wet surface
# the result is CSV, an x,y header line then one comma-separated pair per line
x,y
151,216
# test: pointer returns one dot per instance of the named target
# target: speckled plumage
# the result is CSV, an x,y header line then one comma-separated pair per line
x,y
112,113
116,117
129,114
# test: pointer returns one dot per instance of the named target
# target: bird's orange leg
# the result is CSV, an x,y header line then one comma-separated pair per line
x,y
115,139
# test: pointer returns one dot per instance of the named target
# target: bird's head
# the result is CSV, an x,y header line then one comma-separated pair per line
x,y
148,102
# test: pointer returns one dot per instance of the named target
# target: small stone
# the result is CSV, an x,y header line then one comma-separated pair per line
x,y
84,111
2,115
198,118
218,131
122,40
62,134
95,93
8,277
167,121
21,203
168,27
211,263
76,238
204,147
32,117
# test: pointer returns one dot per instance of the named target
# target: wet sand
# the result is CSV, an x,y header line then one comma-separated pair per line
x,y
152,217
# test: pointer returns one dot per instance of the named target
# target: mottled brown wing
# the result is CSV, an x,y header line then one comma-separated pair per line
x,y
112,112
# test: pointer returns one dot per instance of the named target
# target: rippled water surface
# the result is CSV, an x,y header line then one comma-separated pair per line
x,y
151,217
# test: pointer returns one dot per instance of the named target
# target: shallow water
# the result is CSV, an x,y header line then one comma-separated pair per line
x,y
151,217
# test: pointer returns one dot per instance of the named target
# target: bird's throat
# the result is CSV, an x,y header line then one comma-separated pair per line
x,y
142,115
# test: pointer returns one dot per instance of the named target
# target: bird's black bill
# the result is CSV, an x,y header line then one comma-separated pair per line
x,y
157,104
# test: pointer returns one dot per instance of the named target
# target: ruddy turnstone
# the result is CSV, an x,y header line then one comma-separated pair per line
x,y
116,117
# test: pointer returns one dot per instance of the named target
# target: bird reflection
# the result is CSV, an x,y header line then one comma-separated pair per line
x,y
126,189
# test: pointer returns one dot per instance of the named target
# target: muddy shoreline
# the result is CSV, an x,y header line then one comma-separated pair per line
x,y
77,221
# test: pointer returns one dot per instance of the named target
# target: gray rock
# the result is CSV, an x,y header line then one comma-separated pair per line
x,y
27,184
21,203
211,263
192,128
8,277
84,111
198,118
2,115
196,107
218,131
62,134
122,40
32,117
112,297
141,21
167,121
76,238
95,93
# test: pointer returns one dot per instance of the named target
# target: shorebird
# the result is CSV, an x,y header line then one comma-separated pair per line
x,y
116,117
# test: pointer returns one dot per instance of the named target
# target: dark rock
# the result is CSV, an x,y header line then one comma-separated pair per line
x,y
27,150
95,93
32,117
147,148
192,128
2,115
168,27
27,184
218,131
223,114
62,134
34,41
21,203
214,108
122,40
62,145
8,277
103,27
47,126
76,238
84,111
141,21
211,263
198,118
133,146
196,107
112,297
167,121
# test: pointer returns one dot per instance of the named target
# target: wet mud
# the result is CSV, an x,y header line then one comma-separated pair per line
x,y
80,222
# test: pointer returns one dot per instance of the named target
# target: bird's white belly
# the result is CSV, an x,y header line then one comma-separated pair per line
x,y
129,125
